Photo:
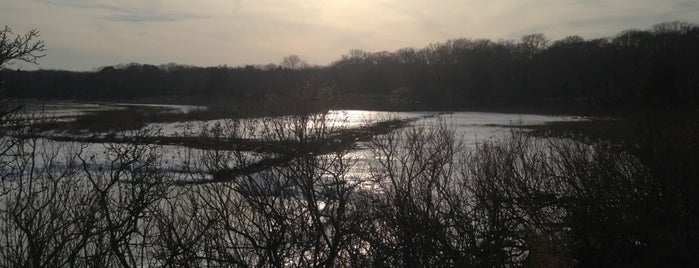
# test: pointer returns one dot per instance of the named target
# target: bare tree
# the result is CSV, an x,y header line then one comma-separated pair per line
x,y
299,212
533,43
27,47
43,216
416,172
126,185
293,62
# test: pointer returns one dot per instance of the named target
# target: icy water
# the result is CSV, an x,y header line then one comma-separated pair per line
x,y
68,110
471,127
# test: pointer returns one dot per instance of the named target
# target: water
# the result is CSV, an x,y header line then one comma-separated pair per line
x,y
471,127
69,110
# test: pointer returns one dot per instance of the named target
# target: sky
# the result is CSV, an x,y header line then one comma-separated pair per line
x,y
83,35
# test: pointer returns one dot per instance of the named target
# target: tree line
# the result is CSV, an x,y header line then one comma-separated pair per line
x,y
657,66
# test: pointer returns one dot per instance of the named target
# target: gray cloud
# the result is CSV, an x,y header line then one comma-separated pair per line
x,y
126,13
86,5
136,17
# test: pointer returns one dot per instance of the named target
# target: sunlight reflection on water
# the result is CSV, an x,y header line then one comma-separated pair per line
x,y
472,128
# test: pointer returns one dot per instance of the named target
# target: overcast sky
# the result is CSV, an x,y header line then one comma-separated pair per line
x,y
86,34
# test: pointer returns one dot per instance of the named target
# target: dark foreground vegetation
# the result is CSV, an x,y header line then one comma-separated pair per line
x,y
427,200
658,66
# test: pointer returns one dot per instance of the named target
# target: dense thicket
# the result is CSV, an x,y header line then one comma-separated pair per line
x,y
655,66
428,200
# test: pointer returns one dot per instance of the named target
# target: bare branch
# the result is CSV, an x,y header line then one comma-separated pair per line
x,y
15,47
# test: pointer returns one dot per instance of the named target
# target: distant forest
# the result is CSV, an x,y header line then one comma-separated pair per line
x,y
658,66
